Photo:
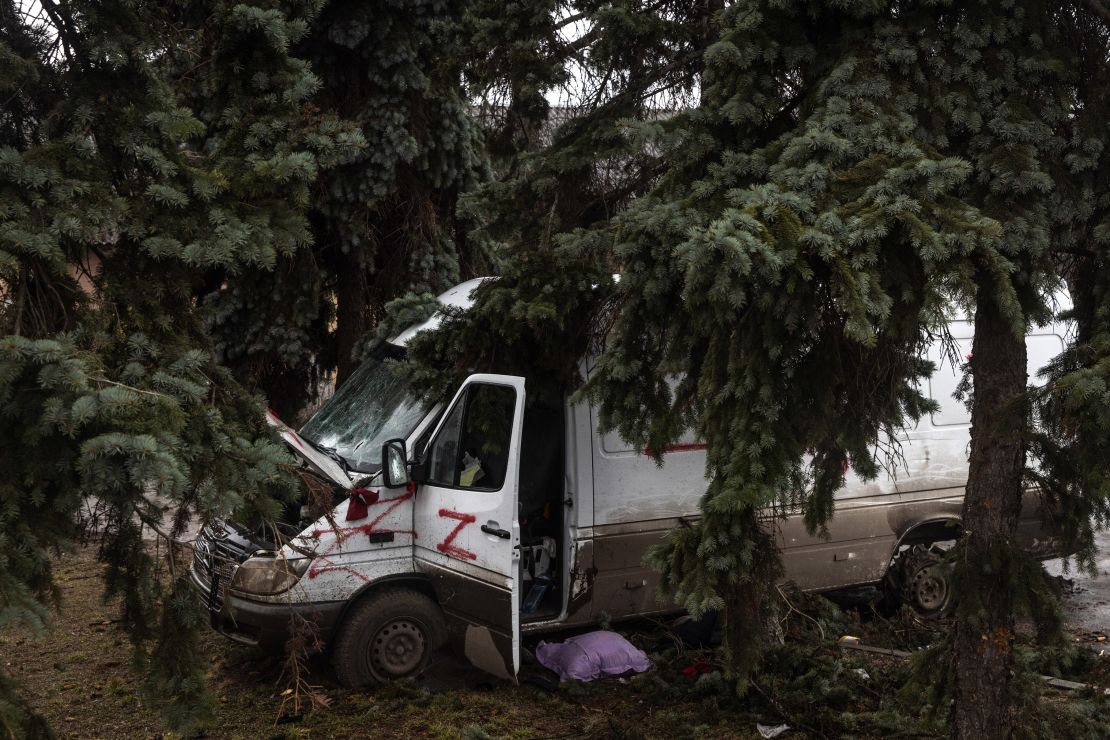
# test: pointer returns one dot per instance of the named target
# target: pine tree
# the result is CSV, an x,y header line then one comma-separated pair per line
x,y
806,264
384,222
1071,422
849,171
115,198
794,193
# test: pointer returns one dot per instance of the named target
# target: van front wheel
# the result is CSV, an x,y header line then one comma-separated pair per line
x,y
387,636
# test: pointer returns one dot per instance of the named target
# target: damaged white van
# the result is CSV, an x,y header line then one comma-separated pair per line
x,y
447,527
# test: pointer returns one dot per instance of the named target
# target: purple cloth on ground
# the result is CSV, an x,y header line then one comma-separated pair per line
x,y
591,656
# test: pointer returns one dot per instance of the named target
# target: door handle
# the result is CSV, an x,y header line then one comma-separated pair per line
x,y
496,531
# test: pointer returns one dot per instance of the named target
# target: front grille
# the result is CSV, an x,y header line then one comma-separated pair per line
x,y
201,556
216,555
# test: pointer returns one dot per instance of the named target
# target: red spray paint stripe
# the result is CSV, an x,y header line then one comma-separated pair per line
x,y
686,447
323,565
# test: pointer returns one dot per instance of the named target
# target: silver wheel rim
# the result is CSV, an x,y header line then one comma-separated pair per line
x,y
397,648
930,589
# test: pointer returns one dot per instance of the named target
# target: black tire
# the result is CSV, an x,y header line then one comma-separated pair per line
x,y
387,636
923,582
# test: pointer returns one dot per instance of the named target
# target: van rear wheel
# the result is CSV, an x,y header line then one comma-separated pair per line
x,y
924,581
387,636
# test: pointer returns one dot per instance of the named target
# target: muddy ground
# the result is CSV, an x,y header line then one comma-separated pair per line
x,y
1087,606
80,677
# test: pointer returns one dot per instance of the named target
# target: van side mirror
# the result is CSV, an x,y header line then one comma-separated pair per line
x,y
395,468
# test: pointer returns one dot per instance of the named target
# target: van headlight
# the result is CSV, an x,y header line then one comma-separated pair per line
x,y
266,575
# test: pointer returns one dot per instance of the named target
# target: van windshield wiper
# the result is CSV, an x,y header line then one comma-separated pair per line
x,y
332,454
342,461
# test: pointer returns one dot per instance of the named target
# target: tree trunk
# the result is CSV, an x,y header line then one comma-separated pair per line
x,y
352,312
752,605
984,636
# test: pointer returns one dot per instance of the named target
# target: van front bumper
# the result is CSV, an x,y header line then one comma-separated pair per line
x,y
256,623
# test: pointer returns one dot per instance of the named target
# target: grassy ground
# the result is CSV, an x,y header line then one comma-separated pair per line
x,y
79,676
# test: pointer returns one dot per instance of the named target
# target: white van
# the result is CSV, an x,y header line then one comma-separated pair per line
x,y
527,519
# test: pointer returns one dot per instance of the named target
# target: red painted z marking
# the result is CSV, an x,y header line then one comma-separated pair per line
x,y
447,547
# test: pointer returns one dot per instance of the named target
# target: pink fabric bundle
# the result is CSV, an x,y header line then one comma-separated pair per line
x,y
591,656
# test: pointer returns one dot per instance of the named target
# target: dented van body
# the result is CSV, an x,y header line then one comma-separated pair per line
x,y
447,529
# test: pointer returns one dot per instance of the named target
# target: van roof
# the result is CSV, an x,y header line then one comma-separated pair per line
x,y
458,297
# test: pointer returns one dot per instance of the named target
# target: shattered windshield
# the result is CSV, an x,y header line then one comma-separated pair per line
x,y
372,407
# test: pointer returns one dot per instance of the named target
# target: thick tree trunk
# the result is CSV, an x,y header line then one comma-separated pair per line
x,y
352,312
983,644
752,605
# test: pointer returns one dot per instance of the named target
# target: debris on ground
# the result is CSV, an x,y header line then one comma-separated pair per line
x,y
699,667
848,642
1091,636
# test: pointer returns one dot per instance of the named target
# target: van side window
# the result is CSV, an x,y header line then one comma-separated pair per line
x,y
472,448
945,379
443,454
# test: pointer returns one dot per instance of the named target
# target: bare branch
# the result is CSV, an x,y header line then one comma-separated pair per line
x,y
570,19
156,394
63,24
158,529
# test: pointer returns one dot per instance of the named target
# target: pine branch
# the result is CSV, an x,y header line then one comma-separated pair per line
x,y
161,532
156,394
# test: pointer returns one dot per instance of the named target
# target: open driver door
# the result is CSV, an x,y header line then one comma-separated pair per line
x,y
466,522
